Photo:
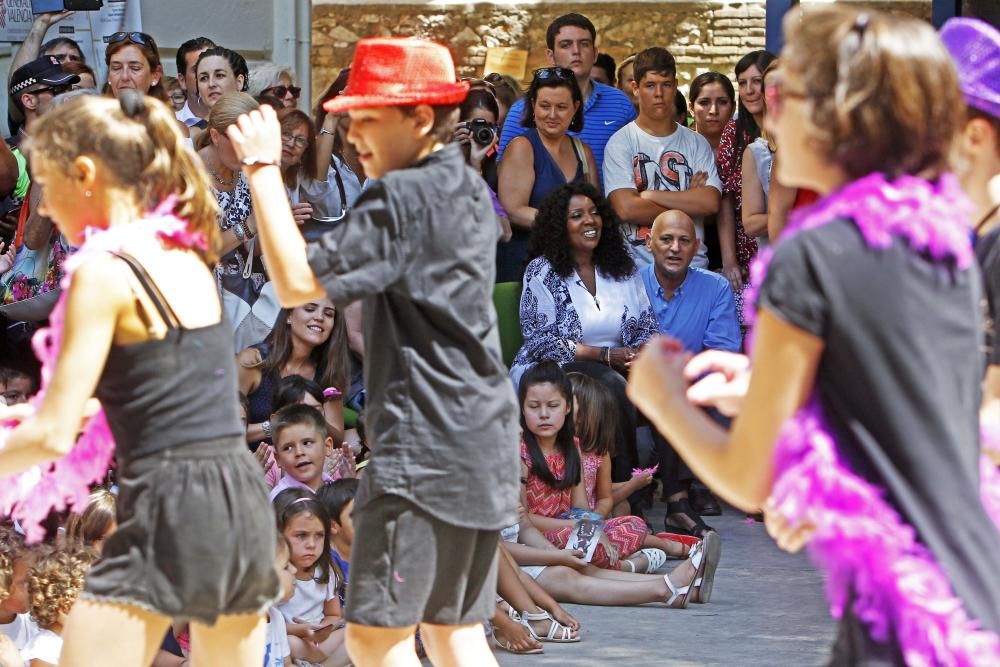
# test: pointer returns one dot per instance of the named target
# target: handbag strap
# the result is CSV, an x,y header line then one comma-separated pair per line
x,y
581,155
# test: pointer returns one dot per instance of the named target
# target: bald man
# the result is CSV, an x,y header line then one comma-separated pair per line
x,y
696,307
692,305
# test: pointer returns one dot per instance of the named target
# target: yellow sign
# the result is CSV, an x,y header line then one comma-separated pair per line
x,y
506,60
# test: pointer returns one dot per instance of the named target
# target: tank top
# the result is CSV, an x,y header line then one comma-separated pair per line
x,y
763,158
169,392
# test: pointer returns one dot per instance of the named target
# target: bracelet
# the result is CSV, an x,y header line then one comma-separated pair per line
x,y
323,130
266,427
239,231
259,162
606,355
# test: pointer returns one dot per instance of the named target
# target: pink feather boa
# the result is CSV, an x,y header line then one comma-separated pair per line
x,y
30,496
861,541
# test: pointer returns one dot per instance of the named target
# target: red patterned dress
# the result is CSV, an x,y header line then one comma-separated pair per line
x,y
626,533
729,161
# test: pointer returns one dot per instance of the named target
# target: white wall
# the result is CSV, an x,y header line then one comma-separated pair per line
x,y
261,30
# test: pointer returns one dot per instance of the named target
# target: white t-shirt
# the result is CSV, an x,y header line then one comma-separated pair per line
x,y
277,648
21,630
640,161
308,599
46,646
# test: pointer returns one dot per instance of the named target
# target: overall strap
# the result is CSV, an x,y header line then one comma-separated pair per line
x,y
162,307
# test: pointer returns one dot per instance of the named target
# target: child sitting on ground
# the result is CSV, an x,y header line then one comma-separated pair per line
x,y
277,652
15,562
595,424
301,445
337,498
551,466
54,583
95,524
312,614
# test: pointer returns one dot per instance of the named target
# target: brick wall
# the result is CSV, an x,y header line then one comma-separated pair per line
x,y
701,35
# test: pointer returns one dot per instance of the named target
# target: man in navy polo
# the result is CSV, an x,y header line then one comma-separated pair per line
x,y
571,44
697,308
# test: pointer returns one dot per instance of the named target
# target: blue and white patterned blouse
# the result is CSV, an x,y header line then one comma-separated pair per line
x,y
557,313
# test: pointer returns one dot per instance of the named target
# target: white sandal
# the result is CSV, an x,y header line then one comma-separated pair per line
x,y
680,594
506,645
712,547
558,633
655,559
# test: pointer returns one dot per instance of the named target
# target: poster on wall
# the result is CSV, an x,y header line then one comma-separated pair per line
x,y
15,20
92,29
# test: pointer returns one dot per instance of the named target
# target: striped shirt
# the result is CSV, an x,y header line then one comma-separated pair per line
x,y
606,111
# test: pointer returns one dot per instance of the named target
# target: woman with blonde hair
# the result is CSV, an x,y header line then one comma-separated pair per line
x,y
861,416
140,327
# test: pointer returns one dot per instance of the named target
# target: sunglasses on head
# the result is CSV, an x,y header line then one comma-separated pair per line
x,y
562,73
281,91
140,38
478,83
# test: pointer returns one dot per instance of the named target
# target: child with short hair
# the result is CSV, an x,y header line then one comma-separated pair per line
x,y
419,247
96,523
15,561
312,614
337,498
54,583
301,447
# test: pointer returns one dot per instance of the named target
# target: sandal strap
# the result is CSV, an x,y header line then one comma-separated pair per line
x,y
676,593
535,616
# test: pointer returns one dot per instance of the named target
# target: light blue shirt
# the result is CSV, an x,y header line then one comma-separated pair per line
x,y
606,111
701,313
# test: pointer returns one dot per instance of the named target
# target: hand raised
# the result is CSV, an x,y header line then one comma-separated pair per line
x,y
257,135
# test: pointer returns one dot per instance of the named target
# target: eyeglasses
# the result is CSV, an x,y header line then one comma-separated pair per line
x,y
281,91
140,38
298,142
561,73
479,83
55,90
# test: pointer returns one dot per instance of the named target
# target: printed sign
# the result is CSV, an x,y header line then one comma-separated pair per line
x,y
15,20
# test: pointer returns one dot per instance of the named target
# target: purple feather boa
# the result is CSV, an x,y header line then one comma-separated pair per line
x,y
861,542
64,484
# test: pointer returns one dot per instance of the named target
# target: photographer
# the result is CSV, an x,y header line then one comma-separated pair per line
x,y
478,134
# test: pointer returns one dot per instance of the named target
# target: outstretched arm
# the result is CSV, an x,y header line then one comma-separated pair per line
x,y
741,474
257,137
31,47
88,331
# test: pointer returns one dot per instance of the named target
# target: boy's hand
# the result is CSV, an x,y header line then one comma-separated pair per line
x,y
264,456
257,135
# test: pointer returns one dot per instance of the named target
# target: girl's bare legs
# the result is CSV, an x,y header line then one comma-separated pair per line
x,y
457,645
234,641
335,649
507,630
112,635
540,599
567,585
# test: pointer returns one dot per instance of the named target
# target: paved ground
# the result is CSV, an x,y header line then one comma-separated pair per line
x,y
767,609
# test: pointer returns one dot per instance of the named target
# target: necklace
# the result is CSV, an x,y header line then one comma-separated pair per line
x,y
220,180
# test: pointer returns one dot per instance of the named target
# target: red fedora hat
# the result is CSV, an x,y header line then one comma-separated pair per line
x,y
399,71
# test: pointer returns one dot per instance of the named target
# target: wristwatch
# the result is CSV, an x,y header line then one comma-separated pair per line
x,y
266,427
326,131
239,231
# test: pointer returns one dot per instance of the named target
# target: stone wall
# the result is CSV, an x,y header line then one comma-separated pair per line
x,y
701,35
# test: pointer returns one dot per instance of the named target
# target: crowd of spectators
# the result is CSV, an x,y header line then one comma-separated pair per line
x,y
619,221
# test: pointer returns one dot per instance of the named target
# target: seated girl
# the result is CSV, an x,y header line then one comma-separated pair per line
x,y
312,614
54,583
595,424
96,523
551,469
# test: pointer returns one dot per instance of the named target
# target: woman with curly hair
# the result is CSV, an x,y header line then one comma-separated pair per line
x,y
584,305
54,583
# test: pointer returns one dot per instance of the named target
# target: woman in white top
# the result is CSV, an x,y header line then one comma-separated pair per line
x,y
583,304
758,162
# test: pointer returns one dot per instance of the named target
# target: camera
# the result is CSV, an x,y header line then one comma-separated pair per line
x,y
481,131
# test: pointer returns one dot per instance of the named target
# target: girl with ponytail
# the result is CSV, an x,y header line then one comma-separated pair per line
x,y
139,325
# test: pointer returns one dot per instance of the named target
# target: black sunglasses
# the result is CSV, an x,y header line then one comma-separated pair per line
x,y
55,90
281,91
554,73
140,38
